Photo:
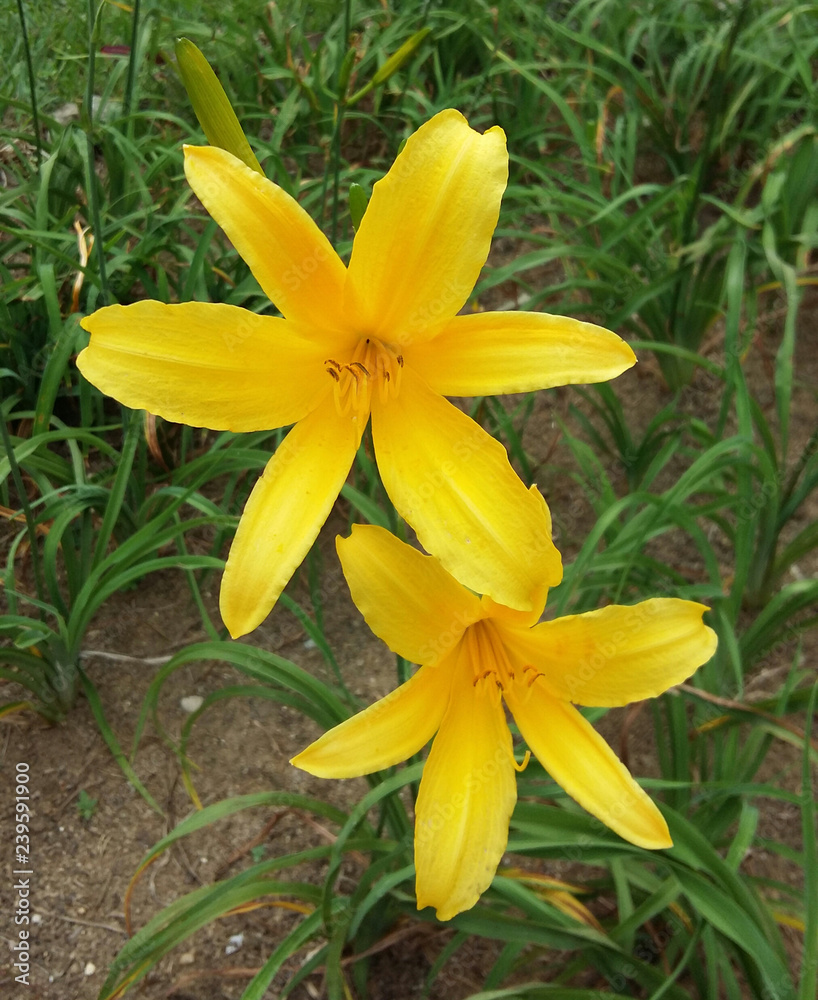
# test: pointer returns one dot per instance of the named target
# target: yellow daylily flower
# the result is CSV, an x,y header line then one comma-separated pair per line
x,y
381,337
476,655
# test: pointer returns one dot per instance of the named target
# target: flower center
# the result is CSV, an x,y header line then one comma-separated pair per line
x,y
372,365
492,669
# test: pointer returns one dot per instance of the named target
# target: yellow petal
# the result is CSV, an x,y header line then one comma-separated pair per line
x,y
466,798
427,230
454,484
407,598
384,734
577,758
203,364
499,612
290,257
484,354
618,654
539,594
284,514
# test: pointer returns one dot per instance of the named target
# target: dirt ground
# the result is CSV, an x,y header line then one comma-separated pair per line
x,y
83,856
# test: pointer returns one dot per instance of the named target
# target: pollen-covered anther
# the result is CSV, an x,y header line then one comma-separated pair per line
x,y
531,674
483,676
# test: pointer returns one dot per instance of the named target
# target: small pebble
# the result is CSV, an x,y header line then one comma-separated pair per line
x,y
188,958
191,703
235,942
67,113
89,969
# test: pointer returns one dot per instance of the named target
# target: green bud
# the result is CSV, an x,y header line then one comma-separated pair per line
x,y
392,64
211,104
358,200
404,54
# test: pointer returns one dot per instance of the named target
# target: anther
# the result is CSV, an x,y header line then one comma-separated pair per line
x,y
334,374
484,675
399,360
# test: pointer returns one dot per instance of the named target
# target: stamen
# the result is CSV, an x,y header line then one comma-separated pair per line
x,y
370,360
524,765
383,391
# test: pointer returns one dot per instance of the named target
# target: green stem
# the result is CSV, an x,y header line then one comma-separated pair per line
x,y
31,86
93,189
336,171
339,119
24,504
130,84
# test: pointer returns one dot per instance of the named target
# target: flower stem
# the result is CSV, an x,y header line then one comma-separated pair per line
x,y
339,119
31,85
130,83
93,182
